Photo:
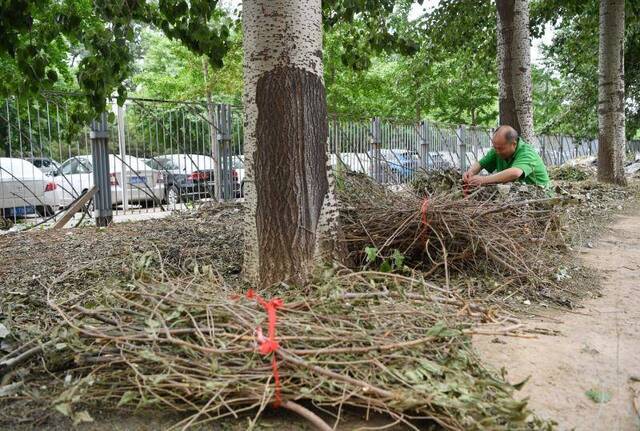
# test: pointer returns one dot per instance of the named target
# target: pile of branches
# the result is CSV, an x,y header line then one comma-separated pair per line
x,y
69,262
437,181
193,347
597,203
570,173
444,234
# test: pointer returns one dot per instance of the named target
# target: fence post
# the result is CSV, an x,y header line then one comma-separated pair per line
x,y
122,147
215,150
99,136
224,140
543,149
375,149
561,150
424,145
462,148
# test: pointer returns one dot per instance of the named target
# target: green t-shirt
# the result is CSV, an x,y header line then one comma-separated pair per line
x,y
525,158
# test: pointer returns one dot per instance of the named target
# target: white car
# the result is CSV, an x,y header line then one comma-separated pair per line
x,y
238,165
22,189
356,162
142,184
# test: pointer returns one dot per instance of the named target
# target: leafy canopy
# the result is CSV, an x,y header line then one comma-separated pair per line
x,y
104,31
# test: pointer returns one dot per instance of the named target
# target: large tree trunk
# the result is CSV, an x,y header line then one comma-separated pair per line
x,y
289,207
514,66
611,116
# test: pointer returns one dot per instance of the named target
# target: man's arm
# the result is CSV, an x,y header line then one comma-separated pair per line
x,y
472,171
506,176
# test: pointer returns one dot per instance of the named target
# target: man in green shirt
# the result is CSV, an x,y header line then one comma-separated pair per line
x,y
512,159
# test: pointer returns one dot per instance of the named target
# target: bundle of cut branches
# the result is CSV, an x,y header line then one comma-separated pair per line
x,y
443,233
356,340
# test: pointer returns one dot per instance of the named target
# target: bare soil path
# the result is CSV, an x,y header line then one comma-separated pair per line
x,y
598,347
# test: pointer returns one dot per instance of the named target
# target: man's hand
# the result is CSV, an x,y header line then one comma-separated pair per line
x,y
475,180
471,172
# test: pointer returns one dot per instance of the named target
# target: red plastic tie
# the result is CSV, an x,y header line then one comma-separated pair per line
x,y
268,345
423,210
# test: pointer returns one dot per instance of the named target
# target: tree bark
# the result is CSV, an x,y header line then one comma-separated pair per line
x,y
514,66
611,115
290,208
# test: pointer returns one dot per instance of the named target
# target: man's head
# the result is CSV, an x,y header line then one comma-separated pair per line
x,y
505,140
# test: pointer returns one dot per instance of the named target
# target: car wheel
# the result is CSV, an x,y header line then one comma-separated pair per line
x,y
172,196
44,211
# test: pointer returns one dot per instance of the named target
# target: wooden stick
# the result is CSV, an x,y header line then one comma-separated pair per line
x,y
307,414
76,207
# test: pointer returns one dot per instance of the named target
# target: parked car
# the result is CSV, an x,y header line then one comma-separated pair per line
x,y
190,176
356,162
180,186
238,166
142,184
45,164
443,160
400,164
22,189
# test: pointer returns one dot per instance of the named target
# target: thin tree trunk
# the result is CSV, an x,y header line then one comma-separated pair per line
x,y
514,66
290,210
215,147
611,115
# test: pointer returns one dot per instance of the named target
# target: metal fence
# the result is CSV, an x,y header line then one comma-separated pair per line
x,y
161,153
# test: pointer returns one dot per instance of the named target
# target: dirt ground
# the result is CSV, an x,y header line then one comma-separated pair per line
x,y
598,347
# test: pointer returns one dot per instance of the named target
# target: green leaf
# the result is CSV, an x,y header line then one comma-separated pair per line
x,y
173,315
64,408
431,367
372,254
151,323
599,397
436,329
413,376
398,259
520,385
82,417
441,330
385,266
127,397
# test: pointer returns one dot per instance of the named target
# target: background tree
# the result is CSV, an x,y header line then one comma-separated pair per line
x,y
514,66
572,57
611,136
168,70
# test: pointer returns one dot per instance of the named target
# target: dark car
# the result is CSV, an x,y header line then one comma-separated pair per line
x,y
182,184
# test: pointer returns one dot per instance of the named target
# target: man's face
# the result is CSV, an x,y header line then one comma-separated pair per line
x,y
504,149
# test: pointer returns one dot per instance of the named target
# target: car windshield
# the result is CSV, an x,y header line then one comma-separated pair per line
x,y
161,164
238,163
167,164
